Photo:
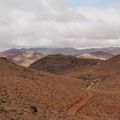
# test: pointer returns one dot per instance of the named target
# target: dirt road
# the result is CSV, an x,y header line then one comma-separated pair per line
x,y
81,103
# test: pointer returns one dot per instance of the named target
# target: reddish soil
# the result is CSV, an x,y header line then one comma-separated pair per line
x,y
29,94
102,78
81,103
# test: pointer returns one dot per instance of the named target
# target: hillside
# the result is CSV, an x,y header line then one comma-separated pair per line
x,y
35,95
106,73
106,68
102,90
110,66
23,58
51,94
62,64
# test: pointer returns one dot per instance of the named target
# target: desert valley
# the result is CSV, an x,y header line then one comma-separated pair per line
x,y
76,85
59,59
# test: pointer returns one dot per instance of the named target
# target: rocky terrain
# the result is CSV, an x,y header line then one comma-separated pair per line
x,y
27,94
102,93
60,87
62,64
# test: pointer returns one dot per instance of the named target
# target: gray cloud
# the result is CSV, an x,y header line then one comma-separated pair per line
x,y
53,23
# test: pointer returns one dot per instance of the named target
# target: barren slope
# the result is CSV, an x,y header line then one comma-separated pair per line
x,y
62,64
104,82
31,95
107,68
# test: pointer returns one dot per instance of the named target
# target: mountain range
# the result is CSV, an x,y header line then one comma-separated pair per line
x,y
70,51
25,56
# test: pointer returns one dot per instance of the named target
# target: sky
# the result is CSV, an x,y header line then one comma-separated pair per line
x,y
92,3
59,23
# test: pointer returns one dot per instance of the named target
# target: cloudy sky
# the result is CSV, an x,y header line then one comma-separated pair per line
x,y
59,23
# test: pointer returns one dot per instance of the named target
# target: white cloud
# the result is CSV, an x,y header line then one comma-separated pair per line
x,y
53,23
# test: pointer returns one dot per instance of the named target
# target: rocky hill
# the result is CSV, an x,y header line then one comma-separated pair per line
x,y
23,58
62,64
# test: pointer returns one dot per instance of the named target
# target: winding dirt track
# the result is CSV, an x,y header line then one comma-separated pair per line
x,y
81,103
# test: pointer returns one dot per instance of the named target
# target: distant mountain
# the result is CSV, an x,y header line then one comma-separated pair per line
x,y
23,58
72,51
65,51
112,50
102,54
90,56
